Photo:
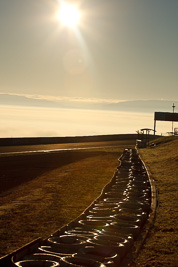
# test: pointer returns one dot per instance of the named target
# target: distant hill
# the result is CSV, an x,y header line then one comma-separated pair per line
x,y
144,106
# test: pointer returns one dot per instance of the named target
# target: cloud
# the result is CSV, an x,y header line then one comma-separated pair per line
x,y
64,98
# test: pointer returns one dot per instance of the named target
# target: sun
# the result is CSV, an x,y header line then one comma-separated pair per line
x,y
69,15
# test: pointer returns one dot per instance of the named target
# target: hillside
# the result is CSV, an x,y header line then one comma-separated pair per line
x,y
48,190
161,246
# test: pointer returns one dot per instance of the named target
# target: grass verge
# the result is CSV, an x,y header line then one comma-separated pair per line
x,y
161,247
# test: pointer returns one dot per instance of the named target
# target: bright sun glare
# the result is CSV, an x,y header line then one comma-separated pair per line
x,y
69,15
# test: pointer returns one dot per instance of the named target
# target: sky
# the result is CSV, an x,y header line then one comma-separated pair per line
x,y
121,50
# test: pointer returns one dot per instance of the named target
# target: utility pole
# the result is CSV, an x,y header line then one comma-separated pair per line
x,y
173,107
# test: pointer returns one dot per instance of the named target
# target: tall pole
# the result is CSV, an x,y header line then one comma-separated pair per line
x,y
154,123
173,107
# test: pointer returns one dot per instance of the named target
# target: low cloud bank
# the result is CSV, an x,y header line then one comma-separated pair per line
x,y
45,122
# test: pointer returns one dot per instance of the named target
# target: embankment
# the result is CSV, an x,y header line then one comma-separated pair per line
x,y
161,247
69,139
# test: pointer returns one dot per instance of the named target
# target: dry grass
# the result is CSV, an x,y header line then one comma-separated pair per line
x,y
161,247
56,191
